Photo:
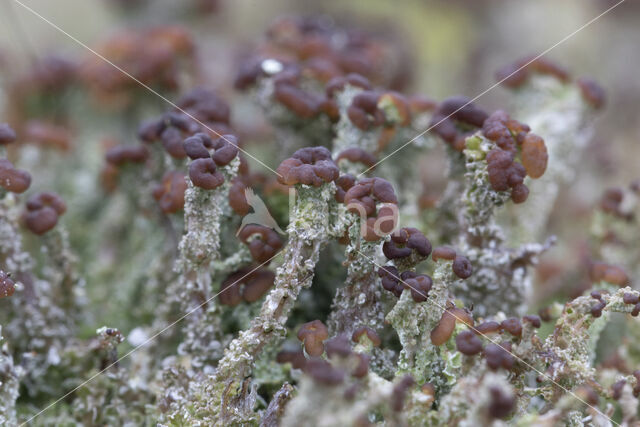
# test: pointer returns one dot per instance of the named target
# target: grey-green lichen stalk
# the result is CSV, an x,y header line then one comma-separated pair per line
x,y
9,385
199,249
414,322
359,301
236,326
500,282
228,396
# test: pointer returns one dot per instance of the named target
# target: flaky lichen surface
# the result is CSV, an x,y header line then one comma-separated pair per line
x,y
314,338
231,384
414,321
500,281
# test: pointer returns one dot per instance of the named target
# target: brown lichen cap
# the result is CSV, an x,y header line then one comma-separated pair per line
x,y
323,372
206,106
263,242
151,56
197,146
343,184
150,130
237,199
534,155
337,84
330,108
42,212
596,310
362,366
313,334
257,284
418,284
506,132
592,92
399,392
226,149
444,329
462,267
443,252
630,298
13,179
533,319
390,279
195,112
406,241
362,331
302,103
611,202
249,72
204,174
122,154
357,155
516,74
504,171
468,343
488,327
171,139
7,135
309,166
7,286
295,357
421,104
615,275
397,105
230,289
170,192
616,389
453,119
47,134
501,404
248,284
498,356
636,388
338,346
513,326
364,112
366,193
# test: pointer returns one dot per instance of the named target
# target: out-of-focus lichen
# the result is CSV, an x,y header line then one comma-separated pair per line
x,y
9,385
571,346
116,397
614,228
559,113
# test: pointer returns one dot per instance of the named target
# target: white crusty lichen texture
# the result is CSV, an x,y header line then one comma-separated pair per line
x,y
9,385
228,396
414,322
500,281
360,301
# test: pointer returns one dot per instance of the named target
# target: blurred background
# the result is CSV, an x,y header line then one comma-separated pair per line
x,y
452,47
